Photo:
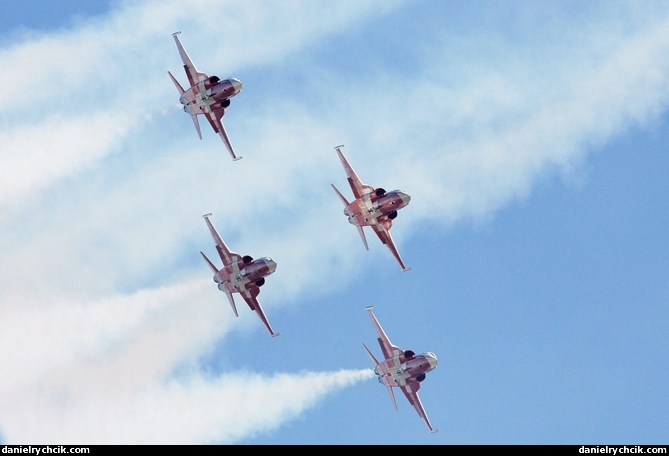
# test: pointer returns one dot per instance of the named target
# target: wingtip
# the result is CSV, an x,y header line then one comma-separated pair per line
x,y
406,269
434,430
237,159
276,334
207,215
176,33
369,307
339,146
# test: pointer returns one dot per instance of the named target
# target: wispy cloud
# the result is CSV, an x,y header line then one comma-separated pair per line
x,y
102,187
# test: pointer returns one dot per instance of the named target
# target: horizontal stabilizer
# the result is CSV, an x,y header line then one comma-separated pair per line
x,y
392,396
232,303
376,363
176,83
209,263
341,197
197,125
362,235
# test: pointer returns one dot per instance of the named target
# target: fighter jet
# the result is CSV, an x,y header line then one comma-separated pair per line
x,y
372,207
207,95
402,368
240,274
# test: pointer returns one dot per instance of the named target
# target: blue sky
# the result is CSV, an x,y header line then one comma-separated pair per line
x,y
532,139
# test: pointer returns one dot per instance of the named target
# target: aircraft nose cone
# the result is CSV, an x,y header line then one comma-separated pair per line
x,y
271,265
237,85
405,198
432,359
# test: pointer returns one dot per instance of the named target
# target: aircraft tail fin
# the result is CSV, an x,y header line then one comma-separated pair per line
x,y
392,396
228,294
341,197
197,125
232,303
362,235
176,83
209,263
376,363
345,201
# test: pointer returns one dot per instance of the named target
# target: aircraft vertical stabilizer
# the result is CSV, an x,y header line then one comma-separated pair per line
x,y
176,83
197,125
232,303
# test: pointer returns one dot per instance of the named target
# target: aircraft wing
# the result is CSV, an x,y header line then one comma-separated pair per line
x,y
359,189
410,390
216,123
382,230
227,256
388,349
251,297
193,75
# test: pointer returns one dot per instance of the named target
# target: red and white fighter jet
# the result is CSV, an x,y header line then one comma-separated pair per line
x,y
240,274
402,369
207,95
372,207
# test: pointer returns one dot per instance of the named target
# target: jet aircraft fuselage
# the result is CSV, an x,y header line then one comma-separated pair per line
x,y
243,273
402,369
367,210
240,274
373,207
210,95
206,95
405,368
